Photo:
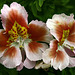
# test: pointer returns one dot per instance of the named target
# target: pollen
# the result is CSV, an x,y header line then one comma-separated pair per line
x,y
16,31
64,36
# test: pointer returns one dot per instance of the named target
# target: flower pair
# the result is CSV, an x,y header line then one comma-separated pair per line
x,y
61,50
19,41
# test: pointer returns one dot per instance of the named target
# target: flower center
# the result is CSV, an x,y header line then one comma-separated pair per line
x,y
16,31
64,36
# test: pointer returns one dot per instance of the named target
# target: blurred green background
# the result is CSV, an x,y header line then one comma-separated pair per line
x,y
41,10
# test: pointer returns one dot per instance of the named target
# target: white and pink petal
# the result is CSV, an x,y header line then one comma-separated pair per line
x,y
12,57
39,31
34,50
13,13
29,64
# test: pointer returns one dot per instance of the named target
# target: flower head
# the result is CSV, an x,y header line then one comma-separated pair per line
x,y
19,39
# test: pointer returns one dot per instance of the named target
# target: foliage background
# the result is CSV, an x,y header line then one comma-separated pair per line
x,y
41,10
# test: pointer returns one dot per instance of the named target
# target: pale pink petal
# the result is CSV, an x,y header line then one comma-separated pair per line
x,y
62,60
69,43
72,62
29,64
12,57
45,56
20,9
34,50
51,24
13,13
4,13
58,23
56,56
20,67
39,31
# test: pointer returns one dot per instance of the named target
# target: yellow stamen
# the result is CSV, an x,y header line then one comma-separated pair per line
x,y
16,31
64,36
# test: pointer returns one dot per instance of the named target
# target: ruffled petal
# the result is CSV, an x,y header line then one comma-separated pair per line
x,y
34,50
13,13
29,64
20,67
12,57
38,31
56,56
58,23
62,60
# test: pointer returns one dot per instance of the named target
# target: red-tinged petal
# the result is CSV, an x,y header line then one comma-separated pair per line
x,y
71,38
58,23
58,58
34,50
59,31
29,64
38,31
3,41
13,13
12,57
72,29
50,52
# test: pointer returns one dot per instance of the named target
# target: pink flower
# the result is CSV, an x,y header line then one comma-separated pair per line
x,y
57,56
18,37
62,27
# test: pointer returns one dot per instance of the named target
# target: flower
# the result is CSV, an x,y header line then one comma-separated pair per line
x,y
61,50
19,40
62,27
57,56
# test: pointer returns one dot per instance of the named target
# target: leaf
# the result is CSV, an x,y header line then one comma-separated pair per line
x,y
11,71
33,8
41,2
65,2
72,71
37,5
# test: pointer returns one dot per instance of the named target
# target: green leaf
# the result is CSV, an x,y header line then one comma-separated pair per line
x,y
72,71
65,2
37,5
41,2
11,71
33,9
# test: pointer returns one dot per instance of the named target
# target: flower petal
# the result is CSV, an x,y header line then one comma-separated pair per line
x,y
42,65
13,13
12,57
34,50
72,62
58,23
29,64
63,60
69,52
20,67
56,56
3,41
38,31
